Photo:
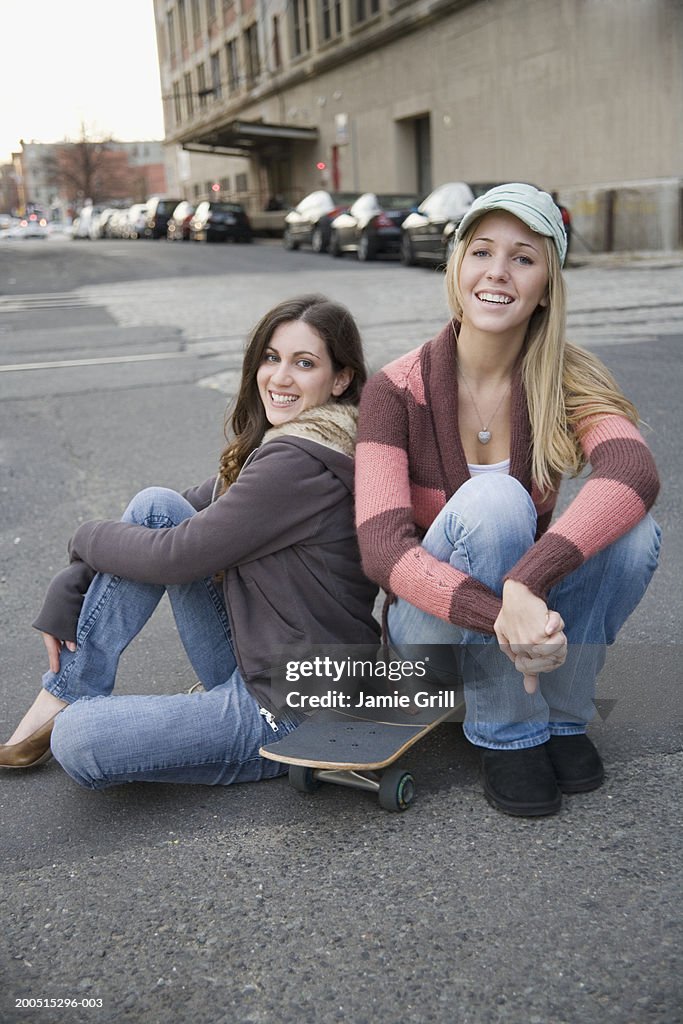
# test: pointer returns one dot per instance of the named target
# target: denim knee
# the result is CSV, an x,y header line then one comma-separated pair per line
x,y
497,498
495,512
157,506
73,746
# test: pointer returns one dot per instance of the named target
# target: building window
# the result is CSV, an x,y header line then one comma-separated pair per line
x,y
225,184
196,18
216,75
330,19
201,84
240,183
170,28
251,50
182,22
211,10
177,109
301,29
277,50
364,9
233,65
189,102
196,190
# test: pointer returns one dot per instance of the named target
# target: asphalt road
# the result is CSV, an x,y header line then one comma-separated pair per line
x,y
254,903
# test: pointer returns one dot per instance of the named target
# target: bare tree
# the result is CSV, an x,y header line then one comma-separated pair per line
x,y
91,169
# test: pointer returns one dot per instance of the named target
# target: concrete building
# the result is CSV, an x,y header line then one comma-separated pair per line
x,y
584,97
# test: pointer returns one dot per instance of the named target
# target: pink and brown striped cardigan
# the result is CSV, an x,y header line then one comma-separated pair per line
x,y
410,460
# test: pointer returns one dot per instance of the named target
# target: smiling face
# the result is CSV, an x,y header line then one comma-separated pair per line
x,y
296,373
503,275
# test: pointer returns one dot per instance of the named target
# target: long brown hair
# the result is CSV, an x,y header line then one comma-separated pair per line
x,y
566,386
335,326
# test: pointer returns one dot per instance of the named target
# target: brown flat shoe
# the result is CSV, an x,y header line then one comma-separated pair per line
x,y
29,752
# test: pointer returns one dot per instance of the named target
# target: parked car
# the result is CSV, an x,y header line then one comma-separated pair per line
x,y
82,224
310,223
427,235
99,222
216,222
117,224
159,210
371,226
32,225
178,226
134,222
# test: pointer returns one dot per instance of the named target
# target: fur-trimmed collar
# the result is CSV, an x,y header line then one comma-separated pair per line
x,y
334,425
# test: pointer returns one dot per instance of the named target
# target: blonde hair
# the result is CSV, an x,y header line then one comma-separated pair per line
x,y
566,386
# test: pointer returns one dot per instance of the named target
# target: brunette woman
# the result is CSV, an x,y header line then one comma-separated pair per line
x,y
261,556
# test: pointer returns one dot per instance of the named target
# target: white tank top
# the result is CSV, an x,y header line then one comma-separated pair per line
x,y
476,468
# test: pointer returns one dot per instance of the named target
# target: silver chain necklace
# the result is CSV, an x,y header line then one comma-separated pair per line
x,y
484,434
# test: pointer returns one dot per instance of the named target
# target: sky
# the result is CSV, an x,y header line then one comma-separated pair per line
x,y
64,63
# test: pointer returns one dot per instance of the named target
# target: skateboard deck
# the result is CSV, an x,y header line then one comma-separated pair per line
x,y
354,749
337,739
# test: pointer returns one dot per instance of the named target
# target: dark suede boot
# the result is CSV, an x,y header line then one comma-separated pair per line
x,y
521,782
576,763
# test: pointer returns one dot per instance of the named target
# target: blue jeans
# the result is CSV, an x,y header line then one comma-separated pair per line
x,y
211,738
484,530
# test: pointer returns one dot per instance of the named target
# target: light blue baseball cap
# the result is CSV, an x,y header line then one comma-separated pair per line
x,y
536,209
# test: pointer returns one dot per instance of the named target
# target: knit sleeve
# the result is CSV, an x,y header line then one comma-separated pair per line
x,y
385,517
619,492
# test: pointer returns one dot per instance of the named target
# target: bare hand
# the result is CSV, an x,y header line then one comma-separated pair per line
x,y
54,650
530,634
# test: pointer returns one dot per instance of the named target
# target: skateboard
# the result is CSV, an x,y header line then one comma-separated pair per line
x,y
356,750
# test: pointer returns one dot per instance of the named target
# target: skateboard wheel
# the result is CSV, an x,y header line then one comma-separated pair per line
x,y
303,779
396,790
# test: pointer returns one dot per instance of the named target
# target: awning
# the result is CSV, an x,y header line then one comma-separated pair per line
x,y
245,137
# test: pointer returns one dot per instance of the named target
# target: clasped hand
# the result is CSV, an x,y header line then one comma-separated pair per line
x,y
529,633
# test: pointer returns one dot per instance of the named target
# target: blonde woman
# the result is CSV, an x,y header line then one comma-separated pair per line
x,y
462,446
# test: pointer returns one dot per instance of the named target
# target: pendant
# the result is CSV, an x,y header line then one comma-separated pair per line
x,y
484,436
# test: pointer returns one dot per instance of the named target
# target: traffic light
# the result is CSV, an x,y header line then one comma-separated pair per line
x,y
215,187
321,165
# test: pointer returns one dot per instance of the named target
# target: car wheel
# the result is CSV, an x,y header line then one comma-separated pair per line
x,y
407,251
318,243
335,245
366,248
288,242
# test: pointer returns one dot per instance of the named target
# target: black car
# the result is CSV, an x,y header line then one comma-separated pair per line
x,y
371,226
309,223
159,210
216,222
427,235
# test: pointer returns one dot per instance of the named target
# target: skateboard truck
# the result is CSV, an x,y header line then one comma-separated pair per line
x,y
395,787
